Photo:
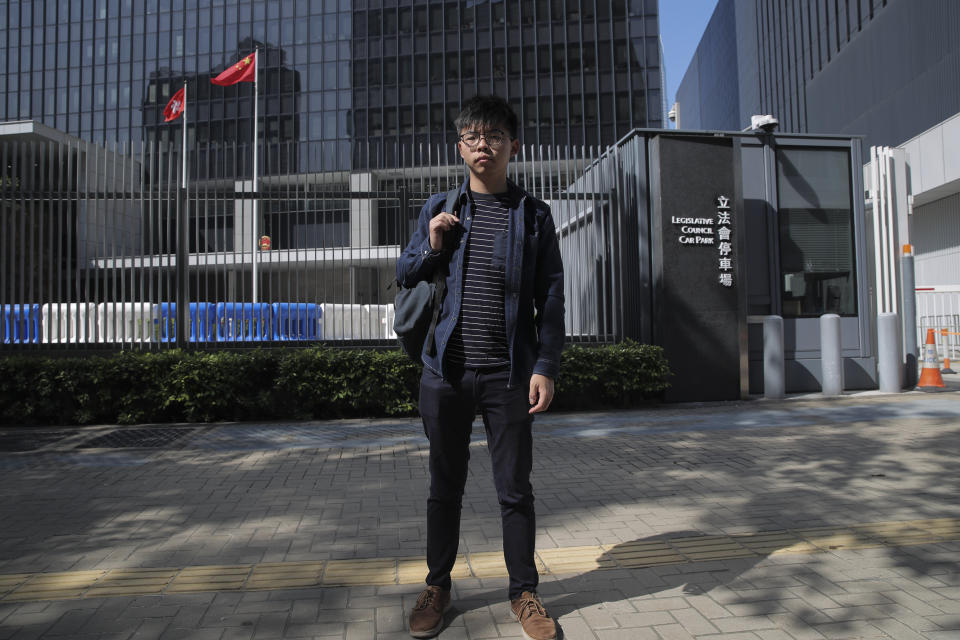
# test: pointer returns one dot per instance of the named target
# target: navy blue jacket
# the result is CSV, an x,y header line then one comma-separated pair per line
x,y
533,293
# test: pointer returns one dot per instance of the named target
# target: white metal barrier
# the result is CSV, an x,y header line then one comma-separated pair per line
x,y
381,317
357,321
126,322
346,322
68,322
938,308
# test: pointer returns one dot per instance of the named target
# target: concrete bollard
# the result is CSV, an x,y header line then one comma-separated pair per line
x,y
889,358
908,286
831,363
774,384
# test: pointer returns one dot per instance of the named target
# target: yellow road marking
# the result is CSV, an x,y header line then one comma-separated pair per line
x,y
285,575
67,585
375,571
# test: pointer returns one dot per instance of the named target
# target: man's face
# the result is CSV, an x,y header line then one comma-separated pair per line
x,y
487,150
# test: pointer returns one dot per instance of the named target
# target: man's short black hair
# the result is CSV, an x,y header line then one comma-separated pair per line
x,y
487,112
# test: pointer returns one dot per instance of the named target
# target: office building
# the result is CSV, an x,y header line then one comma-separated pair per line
x,y
343,84
886,70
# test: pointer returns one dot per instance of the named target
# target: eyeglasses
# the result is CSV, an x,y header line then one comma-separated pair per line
x,y
494,138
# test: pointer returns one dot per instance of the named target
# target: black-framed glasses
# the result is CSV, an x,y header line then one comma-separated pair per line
x,y
494,138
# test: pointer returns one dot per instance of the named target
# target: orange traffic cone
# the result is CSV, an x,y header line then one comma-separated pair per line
x,y
930,374
946,351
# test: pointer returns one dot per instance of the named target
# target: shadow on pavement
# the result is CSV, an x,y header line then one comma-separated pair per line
x,y
623,575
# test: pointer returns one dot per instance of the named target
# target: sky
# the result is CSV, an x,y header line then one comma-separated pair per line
x,y
682,23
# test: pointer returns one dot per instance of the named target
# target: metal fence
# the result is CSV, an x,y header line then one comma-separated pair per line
x,y
938,308
103,248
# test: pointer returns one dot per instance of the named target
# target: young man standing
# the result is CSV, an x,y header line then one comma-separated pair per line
x,y
496,348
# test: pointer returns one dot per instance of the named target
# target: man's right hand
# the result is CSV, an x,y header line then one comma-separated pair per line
x,y
440,224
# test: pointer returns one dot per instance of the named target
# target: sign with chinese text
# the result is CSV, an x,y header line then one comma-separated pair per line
x,y
696,290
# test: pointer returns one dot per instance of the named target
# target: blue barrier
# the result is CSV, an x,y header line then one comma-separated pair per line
x,y
21,323
244,321
296,321
203,322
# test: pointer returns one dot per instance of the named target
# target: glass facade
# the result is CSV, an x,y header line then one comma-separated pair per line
x,y
796,41
343,84
758,57
815,216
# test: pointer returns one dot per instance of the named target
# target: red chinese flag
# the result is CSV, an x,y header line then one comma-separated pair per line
x,y
174,108
243,71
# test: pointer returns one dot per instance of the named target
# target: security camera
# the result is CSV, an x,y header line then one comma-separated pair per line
x,y
766,123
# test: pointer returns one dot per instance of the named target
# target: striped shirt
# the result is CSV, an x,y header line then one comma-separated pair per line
x,y
480,337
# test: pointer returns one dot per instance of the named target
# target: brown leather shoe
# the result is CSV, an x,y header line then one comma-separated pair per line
x,y
426,619
533,618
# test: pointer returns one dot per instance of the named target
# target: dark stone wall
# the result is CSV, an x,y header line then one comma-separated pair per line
x,y
696,317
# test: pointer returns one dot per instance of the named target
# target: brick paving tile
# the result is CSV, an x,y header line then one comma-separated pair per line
x,y
867,612
853,629
310,631
597,617
574,626
909,601
706,605
183,633
774,634
925,624
946,621
946,606
646,619
35,619
800,610
861,599
673,632
693,621
628,634
360,631
745,623
270,625
917,588
151,628
659,604
390,618
756,608
800,627
394,635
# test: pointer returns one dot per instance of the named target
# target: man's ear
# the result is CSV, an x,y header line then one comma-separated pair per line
x,y
514,147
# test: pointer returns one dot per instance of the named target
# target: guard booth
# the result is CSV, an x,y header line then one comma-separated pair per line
x,y
732,227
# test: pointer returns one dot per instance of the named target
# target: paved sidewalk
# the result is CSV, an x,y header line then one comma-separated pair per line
x,y
807,518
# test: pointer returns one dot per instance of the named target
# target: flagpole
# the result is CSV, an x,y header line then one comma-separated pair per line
x,y
183,148
183,242
256,221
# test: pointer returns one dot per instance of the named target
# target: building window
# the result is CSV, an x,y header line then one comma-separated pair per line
x,y
467,65
452,17
420,19
816,233
500,64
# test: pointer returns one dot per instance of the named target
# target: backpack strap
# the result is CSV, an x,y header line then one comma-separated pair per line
x,y
451,205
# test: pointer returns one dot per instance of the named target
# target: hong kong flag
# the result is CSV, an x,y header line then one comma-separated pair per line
x,y
175,107
243,71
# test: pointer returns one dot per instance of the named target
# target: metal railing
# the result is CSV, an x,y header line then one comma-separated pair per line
x,y
101,247
938,308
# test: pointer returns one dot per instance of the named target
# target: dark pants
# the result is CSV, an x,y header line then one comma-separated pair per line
x,y
448,408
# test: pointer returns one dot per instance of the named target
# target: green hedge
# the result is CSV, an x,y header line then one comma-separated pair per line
x,y
272,384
